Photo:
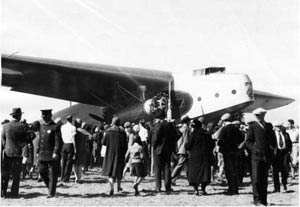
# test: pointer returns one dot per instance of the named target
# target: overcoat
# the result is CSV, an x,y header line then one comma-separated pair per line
x,y
116,147
50,141
200,146
82,147
14,137
164,138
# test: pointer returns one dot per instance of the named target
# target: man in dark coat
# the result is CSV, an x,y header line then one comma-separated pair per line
x,y
49,150
281,160
82,147
14,137
200,146
164,138
114,160
229,139
261,141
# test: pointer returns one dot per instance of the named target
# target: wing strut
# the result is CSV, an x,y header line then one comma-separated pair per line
x,y
105,103
134,96
169,111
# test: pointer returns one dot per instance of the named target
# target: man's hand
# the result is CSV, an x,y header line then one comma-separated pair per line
x,y
55,156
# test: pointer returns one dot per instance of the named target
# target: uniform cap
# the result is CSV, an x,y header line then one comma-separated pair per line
x,y
46,112
259,111
226,117
16,111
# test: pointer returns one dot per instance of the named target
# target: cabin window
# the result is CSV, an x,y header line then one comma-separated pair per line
x,y
217,95
233,91
199,98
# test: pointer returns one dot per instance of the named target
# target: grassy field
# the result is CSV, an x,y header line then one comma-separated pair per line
x,y
94,192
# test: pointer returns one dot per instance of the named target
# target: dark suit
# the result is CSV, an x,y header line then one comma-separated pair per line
x,y
50,142
281,162
14,137
164,138
229,139
261,141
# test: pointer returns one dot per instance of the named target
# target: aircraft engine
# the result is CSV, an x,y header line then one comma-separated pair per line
x,y
147,109
157,103
181,103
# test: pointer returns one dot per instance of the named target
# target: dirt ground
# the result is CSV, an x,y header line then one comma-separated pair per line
x,y
94,192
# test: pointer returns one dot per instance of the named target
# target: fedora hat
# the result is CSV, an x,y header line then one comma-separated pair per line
x,y
16,111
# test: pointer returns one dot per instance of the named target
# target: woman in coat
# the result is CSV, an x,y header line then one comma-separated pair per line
x,y
114,160
200,146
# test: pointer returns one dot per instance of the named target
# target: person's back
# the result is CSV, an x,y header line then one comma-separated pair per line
x,y
136,153
165,138
14,135
115,139
229,138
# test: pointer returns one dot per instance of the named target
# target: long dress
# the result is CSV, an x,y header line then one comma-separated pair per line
x,y
200,146
116,147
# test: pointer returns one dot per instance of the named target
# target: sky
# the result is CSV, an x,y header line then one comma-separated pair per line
x,y
257,37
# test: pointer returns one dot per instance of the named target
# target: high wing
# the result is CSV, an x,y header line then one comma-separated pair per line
x,y
268,101
95,84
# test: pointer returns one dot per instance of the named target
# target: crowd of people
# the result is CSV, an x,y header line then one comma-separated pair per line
x,y
221,153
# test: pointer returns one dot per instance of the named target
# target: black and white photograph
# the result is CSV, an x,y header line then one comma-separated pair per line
x,y
149,103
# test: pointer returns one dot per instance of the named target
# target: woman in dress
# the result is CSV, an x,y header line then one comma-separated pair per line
x,y
114,160
200,146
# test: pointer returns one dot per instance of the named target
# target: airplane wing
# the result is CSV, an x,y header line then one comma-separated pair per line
x,y
268,101
95,84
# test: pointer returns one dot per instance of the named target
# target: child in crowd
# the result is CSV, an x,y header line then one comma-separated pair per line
x,y
136,156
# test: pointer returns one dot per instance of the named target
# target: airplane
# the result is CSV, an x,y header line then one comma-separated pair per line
x,y
135,93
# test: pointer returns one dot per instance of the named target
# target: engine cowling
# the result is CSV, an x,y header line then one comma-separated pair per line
x,y
157,103
181,103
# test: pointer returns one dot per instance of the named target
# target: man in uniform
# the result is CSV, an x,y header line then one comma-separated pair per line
x,y
14,137
49,149
261,141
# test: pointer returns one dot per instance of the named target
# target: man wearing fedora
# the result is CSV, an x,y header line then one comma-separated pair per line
x,y
14,137
49,149
261,141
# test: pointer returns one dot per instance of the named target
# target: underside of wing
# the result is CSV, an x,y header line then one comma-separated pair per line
x,y
95,84
268,101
